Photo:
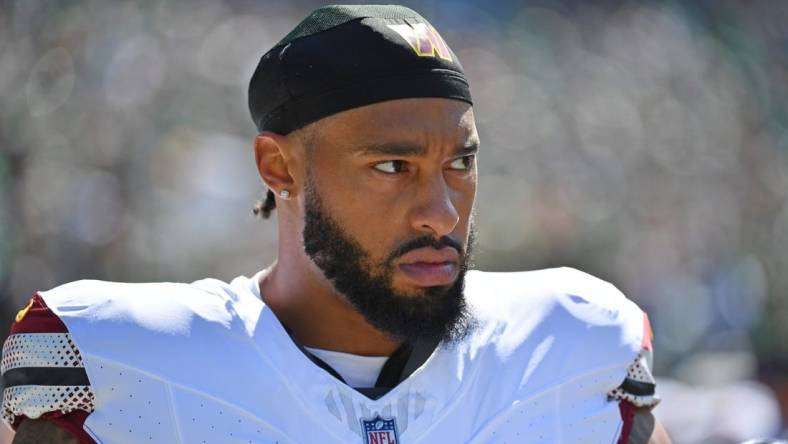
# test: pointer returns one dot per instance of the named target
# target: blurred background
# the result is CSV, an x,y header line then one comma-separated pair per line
x,y
644,142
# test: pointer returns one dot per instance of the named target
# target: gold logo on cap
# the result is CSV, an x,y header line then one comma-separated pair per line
x,y
424,39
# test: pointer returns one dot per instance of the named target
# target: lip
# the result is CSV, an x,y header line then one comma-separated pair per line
x,y
428,267
430,255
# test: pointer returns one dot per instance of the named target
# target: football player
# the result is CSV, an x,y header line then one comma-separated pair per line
x,y
368,328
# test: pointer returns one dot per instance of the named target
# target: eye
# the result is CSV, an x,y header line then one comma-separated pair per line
x,y
463,163
390,166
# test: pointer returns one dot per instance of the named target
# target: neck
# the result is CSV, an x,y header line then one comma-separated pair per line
x,y
319,317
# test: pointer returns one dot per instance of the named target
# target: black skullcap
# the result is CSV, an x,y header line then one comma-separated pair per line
x,y
346,56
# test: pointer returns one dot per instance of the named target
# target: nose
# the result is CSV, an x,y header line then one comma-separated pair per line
x,y
435,213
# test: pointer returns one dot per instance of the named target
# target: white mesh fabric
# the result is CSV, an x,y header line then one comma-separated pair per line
x,y
40,350
639,370
33,401
31,350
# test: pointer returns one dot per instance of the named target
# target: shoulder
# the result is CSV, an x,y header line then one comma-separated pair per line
x,y
163,306
149,308
549,281
61,344
557,309
557,291
145,321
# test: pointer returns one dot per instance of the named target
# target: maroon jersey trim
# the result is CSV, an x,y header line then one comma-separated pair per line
x,y
38,319
627,410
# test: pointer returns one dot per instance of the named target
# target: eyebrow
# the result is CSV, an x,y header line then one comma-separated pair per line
x,y
405,149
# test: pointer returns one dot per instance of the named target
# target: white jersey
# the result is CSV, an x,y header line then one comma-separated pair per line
x,y
208,362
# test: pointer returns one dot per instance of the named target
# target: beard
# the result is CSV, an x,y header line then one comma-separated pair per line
x,y
437,313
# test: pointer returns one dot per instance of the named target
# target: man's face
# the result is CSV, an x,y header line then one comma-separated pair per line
x,y
387,206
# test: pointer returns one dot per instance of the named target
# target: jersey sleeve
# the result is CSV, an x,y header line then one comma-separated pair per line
x,y
639,385
43,373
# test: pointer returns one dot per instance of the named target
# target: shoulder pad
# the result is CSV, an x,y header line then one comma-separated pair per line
x,y
586,317
43,372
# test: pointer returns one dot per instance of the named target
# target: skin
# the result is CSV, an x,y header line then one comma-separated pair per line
x,y
42,432
647,429
388,172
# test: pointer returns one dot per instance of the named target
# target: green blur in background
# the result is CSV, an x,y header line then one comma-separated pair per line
x,y
644,142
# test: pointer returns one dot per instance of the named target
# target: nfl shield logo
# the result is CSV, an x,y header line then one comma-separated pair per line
x,y
379,430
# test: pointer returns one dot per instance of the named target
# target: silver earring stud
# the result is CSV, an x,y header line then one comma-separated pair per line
x,y
284,194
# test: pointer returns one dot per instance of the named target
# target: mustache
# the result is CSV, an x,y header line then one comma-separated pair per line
x,y
423,242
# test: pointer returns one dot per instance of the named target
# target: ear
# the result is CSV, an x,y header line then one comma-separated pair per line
x,y
271,153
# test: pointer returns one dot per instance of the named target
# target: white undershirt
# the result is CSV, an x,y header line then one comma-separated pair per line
x,y
357,371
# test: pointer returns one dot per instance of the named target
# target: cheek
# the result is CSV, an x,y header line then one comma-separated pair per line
x,y
464,197
364,215
375,230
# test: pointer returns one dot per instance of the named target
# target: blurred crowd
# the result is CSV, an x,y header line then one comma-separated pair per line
x,y
644,142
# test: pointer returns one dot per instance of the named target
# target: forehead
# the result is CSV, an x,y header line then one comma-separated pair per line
x,y
425,121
